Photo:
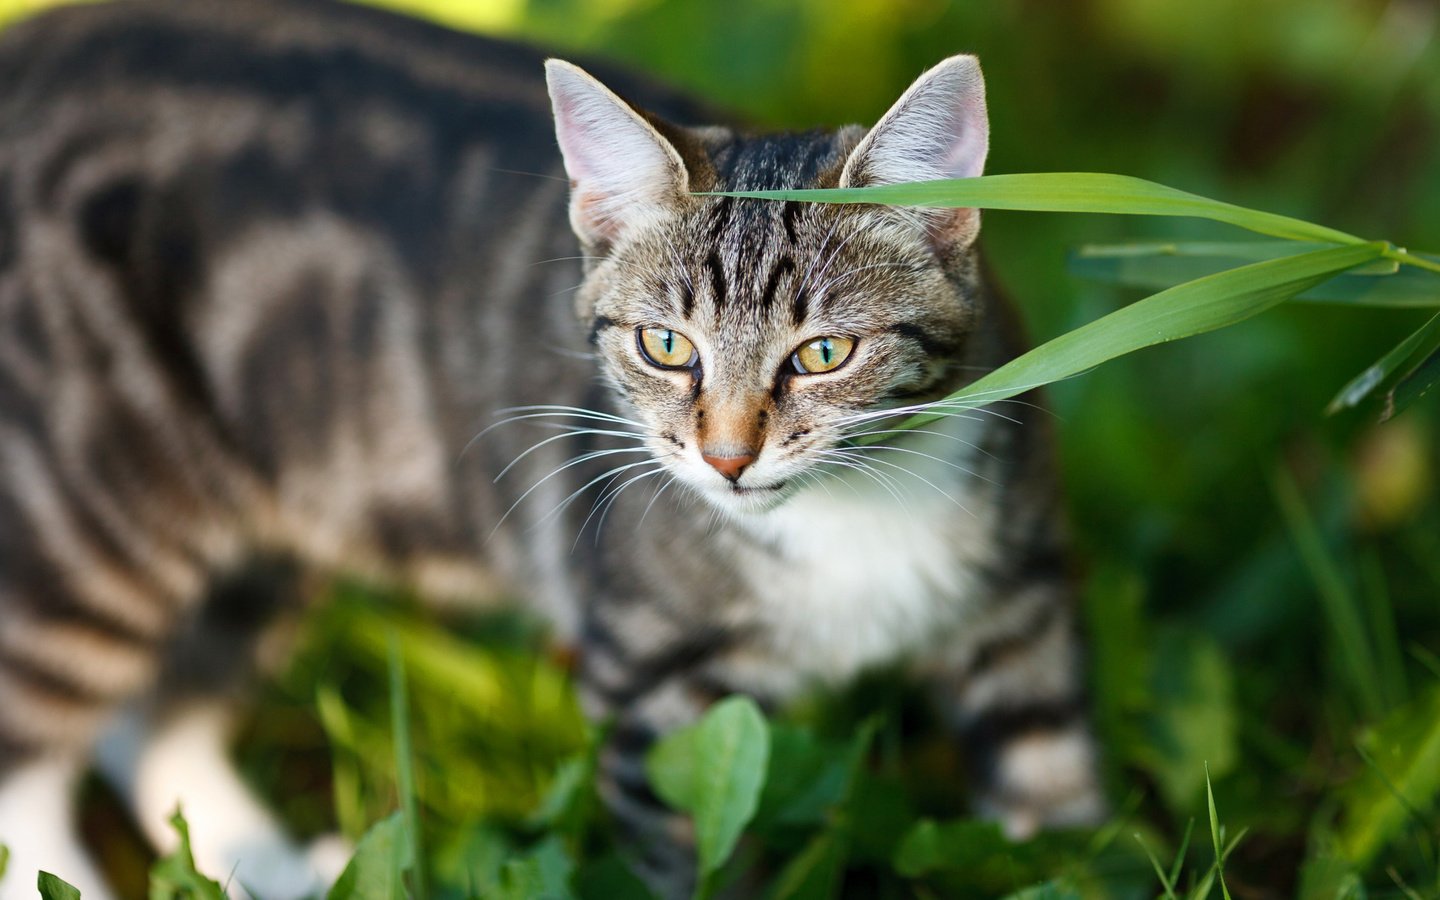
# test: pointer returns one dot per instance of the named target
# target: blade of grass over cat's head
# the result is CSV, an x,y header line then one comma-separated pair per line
x,y
1080,192
1182,311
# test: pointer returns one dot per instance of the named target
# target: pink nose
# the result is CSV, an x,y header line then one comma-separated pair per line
x,y
729,466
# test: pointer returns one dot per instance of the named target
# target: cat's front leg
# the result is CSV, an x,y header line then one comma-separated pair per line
x,y
1016,698
642,672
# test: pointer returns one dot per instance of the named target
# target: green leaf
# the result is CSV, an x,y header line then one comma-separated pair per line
x,y
1403,777
1080,192
174,877
1188,309
54,888
1193,721
714,770
376,871
805,777
1406,358
4,859
960,844
1157,266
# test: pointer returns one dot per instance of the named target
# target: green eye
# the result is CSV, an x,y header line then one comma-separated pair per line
x,y
822,355
667,349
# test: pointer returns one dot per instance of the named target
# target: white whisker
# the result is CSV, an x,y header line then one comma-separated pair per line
x,y
570,434
574,462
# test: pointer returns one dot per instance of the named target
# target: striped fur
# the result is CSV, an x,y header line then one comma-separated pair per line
x,y
267,269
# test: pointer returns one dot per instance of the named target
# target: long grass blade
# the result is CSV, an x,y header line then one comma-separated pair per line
x,y
1080,192
1405,358
1337,600
1216,835
405,767
1156,266
1182,311
1416,384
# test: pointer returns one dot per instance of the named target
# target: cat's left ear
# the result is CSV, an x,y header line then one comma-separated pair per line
x,y
937,129
623,173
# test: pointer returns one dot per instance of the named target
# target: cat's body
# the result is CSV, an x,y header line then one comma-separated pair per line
x,y
266,271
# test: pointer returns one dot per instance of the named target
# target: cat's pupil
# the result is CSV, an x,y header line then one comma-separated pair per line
x,y
669,341
825,351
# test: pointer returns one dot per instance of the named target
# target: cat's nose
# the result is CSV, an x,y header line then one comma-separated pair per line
x,y
729,466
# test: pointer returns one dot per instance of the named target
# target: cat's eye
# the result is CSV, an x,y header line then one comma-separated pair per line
x,y
667,349
822,355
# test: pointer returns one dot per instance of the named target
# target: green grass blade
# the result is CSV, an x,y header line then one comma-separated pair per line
x,y
1341,608
1182,311
1414,385
405,768
1080,192
1153,266
1180,854
1386,373
1389,657
1215,837
1165,882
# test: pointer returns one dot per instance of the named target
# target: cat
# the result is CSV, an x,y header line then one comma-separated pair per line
x,y
289,288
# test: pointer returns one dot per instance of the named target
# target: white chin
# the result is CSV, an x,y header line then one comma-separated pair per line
x,y
746,500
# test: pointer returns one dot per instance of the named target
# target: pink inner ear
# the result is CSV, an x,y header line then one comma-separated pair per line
x,y
970,134
622,173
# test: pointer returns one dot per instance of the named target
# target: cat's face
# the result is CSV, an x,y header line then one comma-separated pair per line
x,y
751,337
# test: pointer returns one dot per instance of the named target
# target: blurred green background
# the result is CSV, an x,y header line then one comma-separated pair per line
x,y
1263,587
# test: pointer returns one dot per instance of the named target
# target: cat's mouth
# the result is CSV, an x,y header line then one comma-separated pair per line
x,y
757,490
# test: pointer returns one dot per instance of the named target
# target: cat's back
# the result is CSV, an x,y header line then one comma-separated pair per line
x,y
275,48
301,102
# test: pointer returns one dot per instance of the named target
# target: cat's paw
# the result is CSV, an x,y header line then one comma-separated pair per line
x,y
273,867
37,826
329,854
1045,780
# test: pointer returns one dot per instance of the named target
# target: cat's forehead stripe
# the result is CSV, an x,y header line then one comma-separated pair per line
x,y
783,266
716,270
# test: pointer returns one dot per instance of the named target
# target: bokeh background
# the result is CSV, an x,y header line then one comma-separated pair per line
x,y
1262,581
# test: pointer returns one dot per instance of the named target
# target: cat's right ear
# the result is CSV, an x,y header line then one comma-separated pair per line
x,y
623,173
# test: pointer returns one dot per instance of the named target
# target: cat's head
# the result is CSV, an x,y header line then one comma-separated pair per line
x,y
748,335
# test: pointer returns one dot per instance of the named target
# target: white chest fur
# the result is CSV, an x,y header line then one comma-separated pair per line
x,y
865,574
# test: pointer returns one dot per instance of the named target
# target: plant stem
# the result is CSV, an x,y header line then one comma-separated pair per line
x,y
1406,258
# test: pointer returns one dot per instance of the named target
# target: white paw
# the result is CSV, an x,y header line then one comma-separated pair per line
x,y
1046,780
329,854
270,868
37,825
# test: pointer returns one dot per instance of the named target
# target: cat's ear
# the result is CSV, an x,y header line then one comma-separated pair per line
x,y
937,129
623,173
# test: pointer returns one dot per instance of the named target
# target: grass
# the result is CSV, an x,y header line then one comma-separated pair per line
x,y
1262,578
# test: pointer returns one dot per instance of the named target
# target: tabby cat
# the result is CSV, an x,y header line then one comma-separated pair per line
x,y
267,269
